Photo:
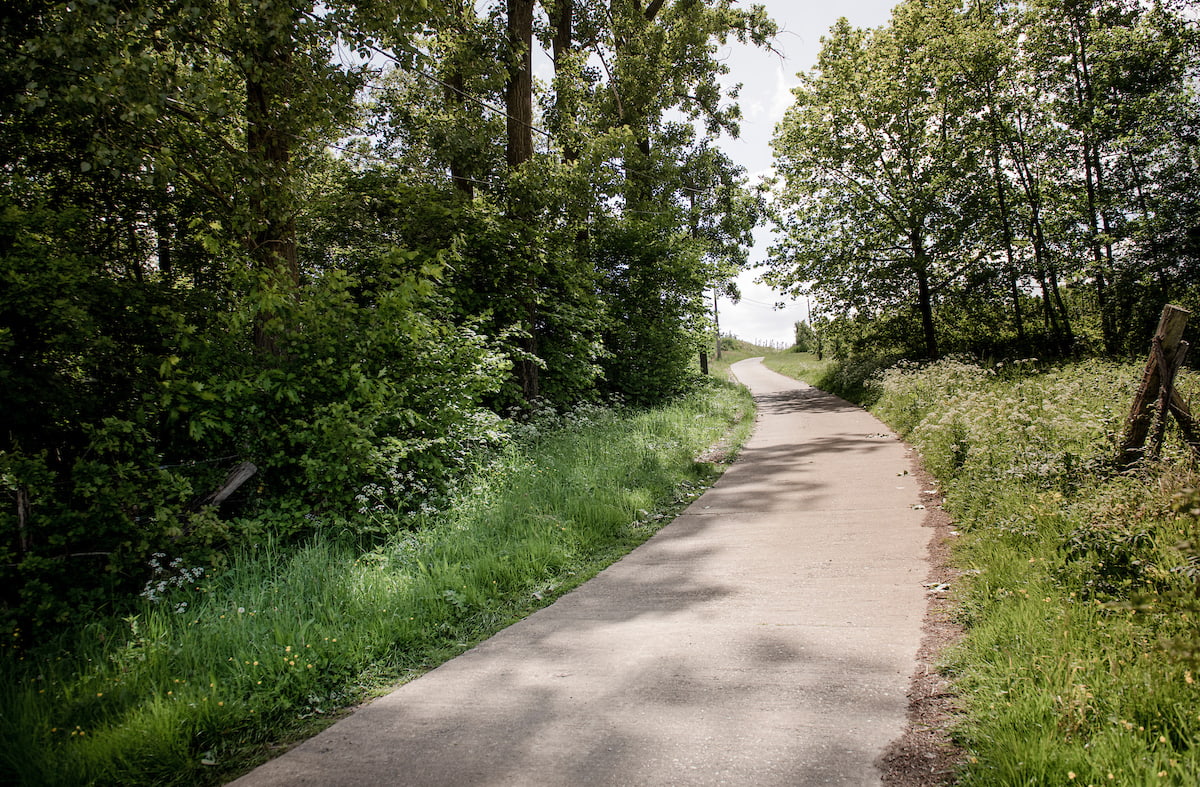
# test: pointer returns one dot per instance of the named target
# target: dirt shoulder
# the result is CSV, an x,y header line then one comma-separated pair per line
x,y
926,755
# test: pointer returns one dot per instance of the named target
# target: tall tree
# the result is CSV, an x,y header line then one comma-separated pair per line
x,y
880,180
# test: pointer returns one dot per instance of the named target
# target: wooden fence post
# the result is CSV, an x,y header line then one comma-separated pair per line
x,y
1158,381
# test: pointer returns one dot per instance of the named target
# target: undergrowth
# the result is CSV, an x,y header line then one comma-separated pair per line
x,y
1080,595
847,378
193,686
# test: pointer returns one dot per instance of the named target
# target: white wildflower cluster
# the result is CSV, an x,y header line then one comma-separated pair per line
x,y
401,492
164,578
1041,427
543,418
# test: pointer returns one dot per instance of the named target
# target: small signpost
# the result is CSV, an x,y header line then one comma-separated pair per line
x,y
1157,394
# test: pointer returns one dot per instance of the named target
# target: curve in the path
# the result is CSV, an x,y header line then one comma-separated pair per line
x,y
765,637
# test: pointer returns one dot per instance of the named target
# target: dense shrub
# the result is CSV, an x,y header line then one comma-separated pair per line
x,y
368,394
657,309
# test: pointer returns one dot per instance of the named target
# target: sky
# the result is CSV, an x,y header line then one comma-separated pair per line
x,y
767,80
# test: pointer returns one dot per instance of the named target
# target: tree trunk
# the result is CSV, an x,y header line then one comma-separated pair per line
x,y
519,107
562,18
1005,221
455,90
924,296
271,235
1093,176
519,91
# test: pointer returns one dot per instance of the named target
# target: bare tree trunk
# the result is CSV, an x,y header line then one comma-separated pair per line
x,y
562,18
455,88
519,91
924,295
1005,221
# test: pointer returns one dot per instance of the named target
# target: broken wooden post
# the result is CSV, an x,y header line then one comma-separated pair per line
x,y
237,476
1157,385
1166,391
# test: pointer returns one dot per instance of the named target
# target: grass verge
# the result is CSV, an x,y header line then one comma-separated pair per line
x,y
1080,597
195,686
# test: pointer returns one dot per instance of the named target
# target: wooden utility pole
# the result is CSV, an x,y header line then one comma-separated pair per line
x,y
717,320
1167,353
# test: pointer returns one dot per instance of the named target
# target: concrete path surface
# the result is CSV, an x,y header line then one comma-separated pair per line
x,y
766,637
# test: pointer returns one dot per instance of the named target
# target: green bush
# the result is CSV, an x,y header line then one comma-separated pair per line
x,y
367,396
657,309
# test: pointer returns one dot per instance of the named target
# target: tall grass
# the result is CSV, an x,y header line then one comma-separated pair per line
x,y
191,687
1079,594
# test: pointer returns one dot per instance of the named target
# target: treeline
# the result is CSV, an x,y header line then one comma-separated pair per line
x,y
996,177
340,240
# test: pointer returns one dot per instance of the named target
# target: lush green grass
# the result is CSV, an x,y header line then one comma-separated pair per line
x,y
191,688
1079,597
802,366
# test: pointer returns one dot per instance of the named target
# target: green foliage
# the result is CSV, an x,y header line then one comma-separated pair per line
x,y
656,292
1001,180
208,668
198,268
807,340
1078,590
369,392
372,385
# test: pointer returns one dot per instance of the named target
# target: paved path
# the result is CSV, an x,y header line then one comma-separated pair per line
x,y
765,637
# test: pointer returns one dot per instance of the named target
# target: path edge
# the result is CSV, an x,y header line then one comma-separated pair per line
x,y
926,754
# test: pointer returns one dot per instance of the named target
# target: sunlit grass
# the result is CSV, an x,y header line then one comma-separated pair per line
x,y
1078,597
801,366
190,688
